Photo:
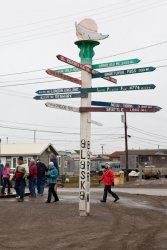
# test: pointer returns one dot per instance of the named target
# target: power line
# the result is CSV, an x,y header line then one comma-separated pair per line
x,y
55,19
68,29
125,52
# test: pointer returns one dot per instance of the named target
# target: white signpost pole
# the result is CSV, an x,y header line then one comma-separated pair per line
x,y
86,54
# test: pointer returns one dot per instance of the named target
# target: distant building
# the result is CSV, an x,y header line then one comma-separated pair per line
x,y
145,157
11,152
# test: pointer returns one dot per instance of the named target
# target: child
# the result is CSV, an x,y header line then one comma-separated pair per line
x,y
6,178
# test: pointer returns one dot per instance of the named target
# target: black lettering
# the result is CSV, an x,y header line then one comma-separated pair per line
x,y
82,163
82,175
83,143
82,157
83,185
82,195
88,145
88,165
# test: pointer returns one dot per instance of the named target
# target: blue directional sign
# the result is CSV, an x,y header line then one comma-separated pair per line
x,y
60,96
60,90
121,105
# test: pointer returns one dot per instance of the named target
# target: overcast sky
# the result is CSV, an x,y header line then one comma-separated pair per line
x,y
33,32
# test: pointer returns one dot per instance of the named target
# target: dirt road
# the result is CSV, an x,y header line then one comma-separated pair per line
x,y
136,222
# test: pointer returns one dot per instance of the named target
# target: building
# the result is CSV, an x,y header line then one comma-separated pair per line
x,y
144,157
11,152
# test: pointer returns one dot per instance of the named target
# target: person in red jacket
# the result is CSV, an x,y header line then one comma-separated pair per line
x,y
108,179
32,177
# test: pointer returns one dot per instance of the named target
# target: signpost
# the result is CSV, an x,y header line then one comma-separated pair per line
x,y
87,73
118,88
60,90
62,107
118,109
59,96
122,105
64,77
84,67
124,72
102,65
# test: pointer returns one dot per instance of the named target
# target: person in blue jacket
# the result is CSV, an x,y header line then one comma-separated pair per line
x,y
53,158
52,175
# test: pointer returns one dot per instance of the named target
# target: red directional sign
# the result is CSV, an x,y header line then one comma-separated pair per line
x,y
118,109
84,67
64,77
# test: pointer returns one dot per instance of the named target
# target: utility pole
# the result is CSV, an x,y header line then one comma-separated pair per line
x,y
34,136
102,147
126,146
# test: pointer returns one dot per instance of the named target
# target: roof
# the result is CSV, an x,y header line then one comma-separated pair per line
x,y
24,149
146,152
116,154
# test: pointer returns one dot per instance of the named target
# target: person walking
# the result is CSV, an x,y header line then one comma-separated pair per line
x,y
32,178
22,171
6,179
108,179
52,175
41,171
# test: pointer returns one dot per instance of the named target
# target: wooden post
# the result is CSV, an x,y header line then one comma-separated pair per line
x,y
86,54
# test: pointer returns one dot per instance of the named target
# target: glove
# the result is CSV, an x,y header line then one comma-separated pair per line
x,y
113,184
99,181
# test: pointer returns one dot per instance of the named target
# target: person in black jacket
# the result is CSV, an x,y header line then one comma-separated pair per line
x,y
41,171
53,158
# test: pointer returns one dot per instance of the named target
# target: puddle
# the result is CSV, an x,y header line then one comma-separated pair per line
x,y
140,204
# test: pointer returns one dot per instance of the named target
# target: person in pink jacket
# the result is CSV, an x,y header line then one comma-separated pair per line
x,y
6,178
108,179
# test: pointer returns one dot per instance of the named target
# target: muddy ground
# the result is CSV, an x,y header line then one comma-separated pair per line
x,y
136,222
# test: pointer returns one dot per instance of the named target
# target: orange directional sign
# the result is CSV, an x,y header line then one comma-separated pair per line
x,y
84,67
64,77
118,109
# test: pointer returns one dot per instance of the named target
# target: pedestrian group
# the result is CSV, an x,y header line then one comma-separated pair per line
x,y
36,174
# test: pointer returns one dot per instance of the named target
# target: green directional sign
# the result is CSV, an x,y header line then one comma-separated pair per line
x,y
60,96
116,64
124,72
118,88
102,65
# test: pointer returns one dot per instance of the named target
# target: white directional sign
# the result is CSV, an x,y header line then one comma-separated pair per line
x,y
60,106
95,122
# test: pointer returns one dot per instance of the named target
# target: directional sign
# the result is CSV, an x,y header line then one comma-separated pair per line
x,y
96,123
124,72
84,67
115,64
62,107
102,65
59,96
122,105
118,109
118,88
64,77
60,90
